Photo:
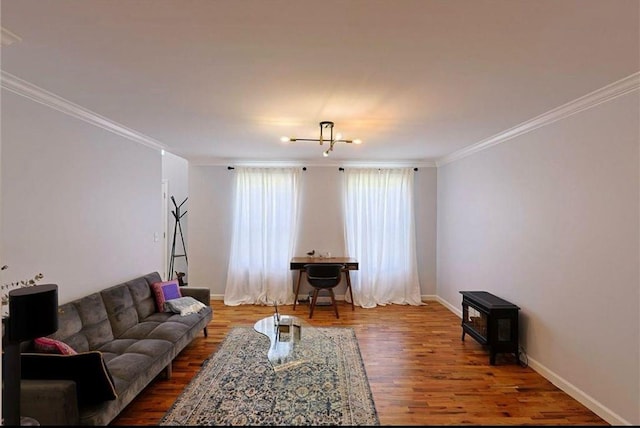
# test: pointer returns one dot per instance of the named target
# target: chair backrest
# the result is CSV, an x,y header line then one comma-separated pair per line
x,y
324,275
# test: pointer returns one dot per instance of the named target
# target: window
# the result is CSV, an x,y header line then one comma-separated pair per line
x,y
264,226
379,232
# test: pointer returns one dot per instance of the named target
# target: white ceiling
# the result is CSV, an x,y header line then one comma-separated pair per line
x,y
222,80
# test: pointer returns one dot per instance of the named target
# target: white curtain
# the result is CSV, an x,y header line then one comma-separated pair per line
x,y
262,244
379,233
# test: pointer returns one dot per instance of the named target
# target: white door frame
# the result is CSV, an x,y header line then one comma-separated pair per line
x,y
165,225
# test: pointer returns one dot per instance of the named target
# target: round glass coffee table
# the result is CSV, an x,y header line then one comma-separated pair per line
x,y
292,340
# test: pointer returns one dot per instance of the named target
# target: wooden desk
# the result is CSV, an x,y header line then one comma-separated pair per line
x,y
298,263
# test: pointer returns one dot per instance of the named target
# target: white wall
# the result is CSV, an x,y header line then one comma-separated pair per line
x,y
426,192
210,204
321,226
79,204
550,222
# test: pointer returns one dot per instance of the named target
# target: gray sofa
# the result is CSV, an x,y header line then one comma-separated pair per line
x,y
119,328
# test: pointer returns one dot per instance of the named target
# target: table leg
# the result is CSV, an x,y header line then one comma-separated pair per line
x,y
295,297
348,278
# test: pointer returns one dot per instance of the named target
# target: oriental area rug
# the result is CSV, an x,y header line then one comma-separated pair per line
x,y
237,385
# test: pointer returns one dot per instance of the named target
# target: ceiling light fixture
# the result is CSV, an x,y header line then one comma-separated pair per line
x,y
325,124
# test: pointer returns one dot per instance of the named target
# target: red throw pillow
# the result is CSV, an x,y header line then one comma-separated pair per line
x,y
164,291
47,345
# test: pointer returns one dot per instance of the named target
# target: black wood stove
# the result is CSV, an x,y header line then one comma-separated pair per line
x,y
491,321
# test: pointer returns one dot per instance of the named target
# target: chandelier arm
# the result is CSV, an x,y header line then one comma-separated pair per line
x,y
315,140
321,140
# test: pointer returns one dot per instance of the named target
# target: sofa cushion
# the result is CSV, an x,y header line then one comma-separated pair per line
x,y
87,369
165,290
152,278
138,358
120,307
83,324
47,345
143,298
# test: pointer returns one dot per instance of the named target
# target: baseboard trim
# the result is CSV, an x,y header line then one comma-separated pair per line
x,y
585,399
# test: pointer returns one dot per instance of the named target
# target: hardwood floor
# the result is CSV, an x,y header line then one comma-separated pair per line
x,y
419,370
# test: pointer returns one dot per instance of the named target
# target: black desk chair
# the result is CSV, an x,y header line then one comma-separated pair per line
x,y
324,277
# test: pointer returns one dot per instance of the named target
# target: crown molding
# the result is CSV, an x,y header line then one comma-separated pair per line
x,y
28,90
599,96
212,161
203,161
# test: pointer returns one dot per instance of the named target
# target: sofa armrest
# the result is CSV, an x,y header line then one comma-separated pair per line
x,y
199,293
50,402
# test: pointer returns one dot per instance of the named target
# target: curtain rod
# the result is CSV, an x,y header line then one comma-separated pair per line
x,y
304,168
342,169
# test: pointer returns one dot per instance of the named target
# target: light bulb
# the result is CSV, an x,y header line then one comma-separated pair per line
x,y
285,139
325,153
357,141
